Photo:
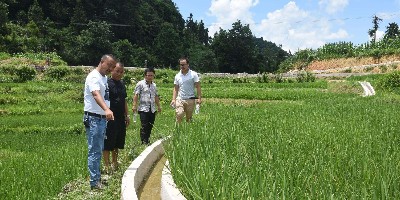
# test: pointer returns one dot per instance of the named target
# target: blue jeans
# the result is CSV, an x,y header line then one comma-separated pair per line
x,y
95,131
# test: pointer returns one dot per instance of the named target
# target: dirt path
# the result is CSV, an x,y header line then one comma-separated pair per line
x,y
151,188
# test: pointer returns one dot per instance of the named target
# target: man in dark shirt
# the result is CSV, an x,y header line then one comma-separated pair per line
x,y
116,129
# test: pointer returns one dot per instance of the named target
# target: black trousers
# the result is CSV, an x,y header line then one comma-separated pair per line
x,y
147,121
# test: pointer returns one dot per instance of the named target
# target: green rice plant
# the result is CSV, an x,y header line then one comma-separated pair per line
x,y
25,73
4,55
383,68
347,70
40,58
369,77
279,140
56,73
321,84
37,162
345,87
305,77
333,146
394,66
264,93
368,69
43,149
390,82
8,78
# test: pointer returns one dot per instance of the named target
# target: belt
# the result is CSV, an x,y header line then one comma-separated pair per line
x,y
190,98
95,114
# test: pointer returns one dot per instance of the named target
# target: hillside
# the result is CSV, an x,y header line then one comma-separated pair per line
x,y
356,65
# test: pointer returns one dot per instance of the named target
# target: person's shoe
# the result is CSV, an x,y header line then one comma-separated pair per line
x,y
98,186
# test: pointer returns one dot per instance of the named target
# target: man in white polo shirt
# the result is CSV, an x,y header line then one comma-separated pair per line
x,y
183,96
96,113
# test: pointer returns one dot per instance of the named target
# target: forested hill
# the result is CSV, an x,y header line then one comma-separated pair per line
x,y
80,31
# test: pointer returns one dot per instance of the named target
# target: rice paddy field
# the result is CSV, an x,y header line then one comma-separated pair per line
x,y
43,147
304,141
318,140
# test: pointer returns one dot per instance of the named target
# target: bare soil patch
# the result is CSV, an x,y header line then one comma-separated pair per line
x,y
368,64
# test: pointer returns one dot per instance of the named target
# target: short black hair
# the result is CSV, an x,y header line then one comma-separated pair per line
x,y
106,56
149,69
184,58
121,64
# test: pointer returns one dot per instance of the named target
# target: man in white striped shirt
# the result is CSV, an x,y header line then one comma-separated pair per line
x,y
147,95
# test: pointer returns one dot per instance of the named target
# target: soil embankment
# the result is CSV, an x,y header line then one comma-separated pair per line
x,y
368,64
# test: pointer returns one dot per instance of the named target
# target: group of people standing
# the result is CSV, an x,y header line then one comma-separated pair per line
x,y
106,110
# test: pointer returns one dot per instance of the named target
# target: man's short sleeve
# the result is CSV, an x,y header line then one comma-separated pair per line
x,y
137,88
94,84
196,77
176,82
156,90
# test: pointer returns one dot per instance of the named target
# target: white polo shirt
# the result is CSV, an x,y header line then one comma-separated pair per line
x,y
186,84
95,81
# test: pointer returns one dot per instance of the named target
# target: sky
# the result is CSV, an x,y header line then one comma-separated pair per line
x,y
296,25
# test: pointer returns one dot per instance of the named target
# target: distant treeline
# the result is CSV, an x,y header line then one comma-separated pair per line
x,y
154,32
136,31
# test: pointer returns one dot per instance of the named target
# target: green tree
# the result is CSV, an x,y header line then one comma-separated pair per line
x,y
372,32
94,42
35,13
68,46
167,45
235,49
78,19
141,55
195,32
60,11
3,21
268,55
202,58
392,31
132,55
203,34
190,30
220,47
3,16
23,38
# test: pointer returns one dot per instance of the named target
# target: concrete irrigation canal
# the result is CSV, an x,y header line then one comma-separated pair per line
x,y
148,176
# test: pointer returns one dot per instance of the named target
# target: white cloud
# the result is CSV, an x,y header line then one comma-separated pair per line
x,y
296,29
388,15
379,35
333,6
229,11
290,26
340,34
